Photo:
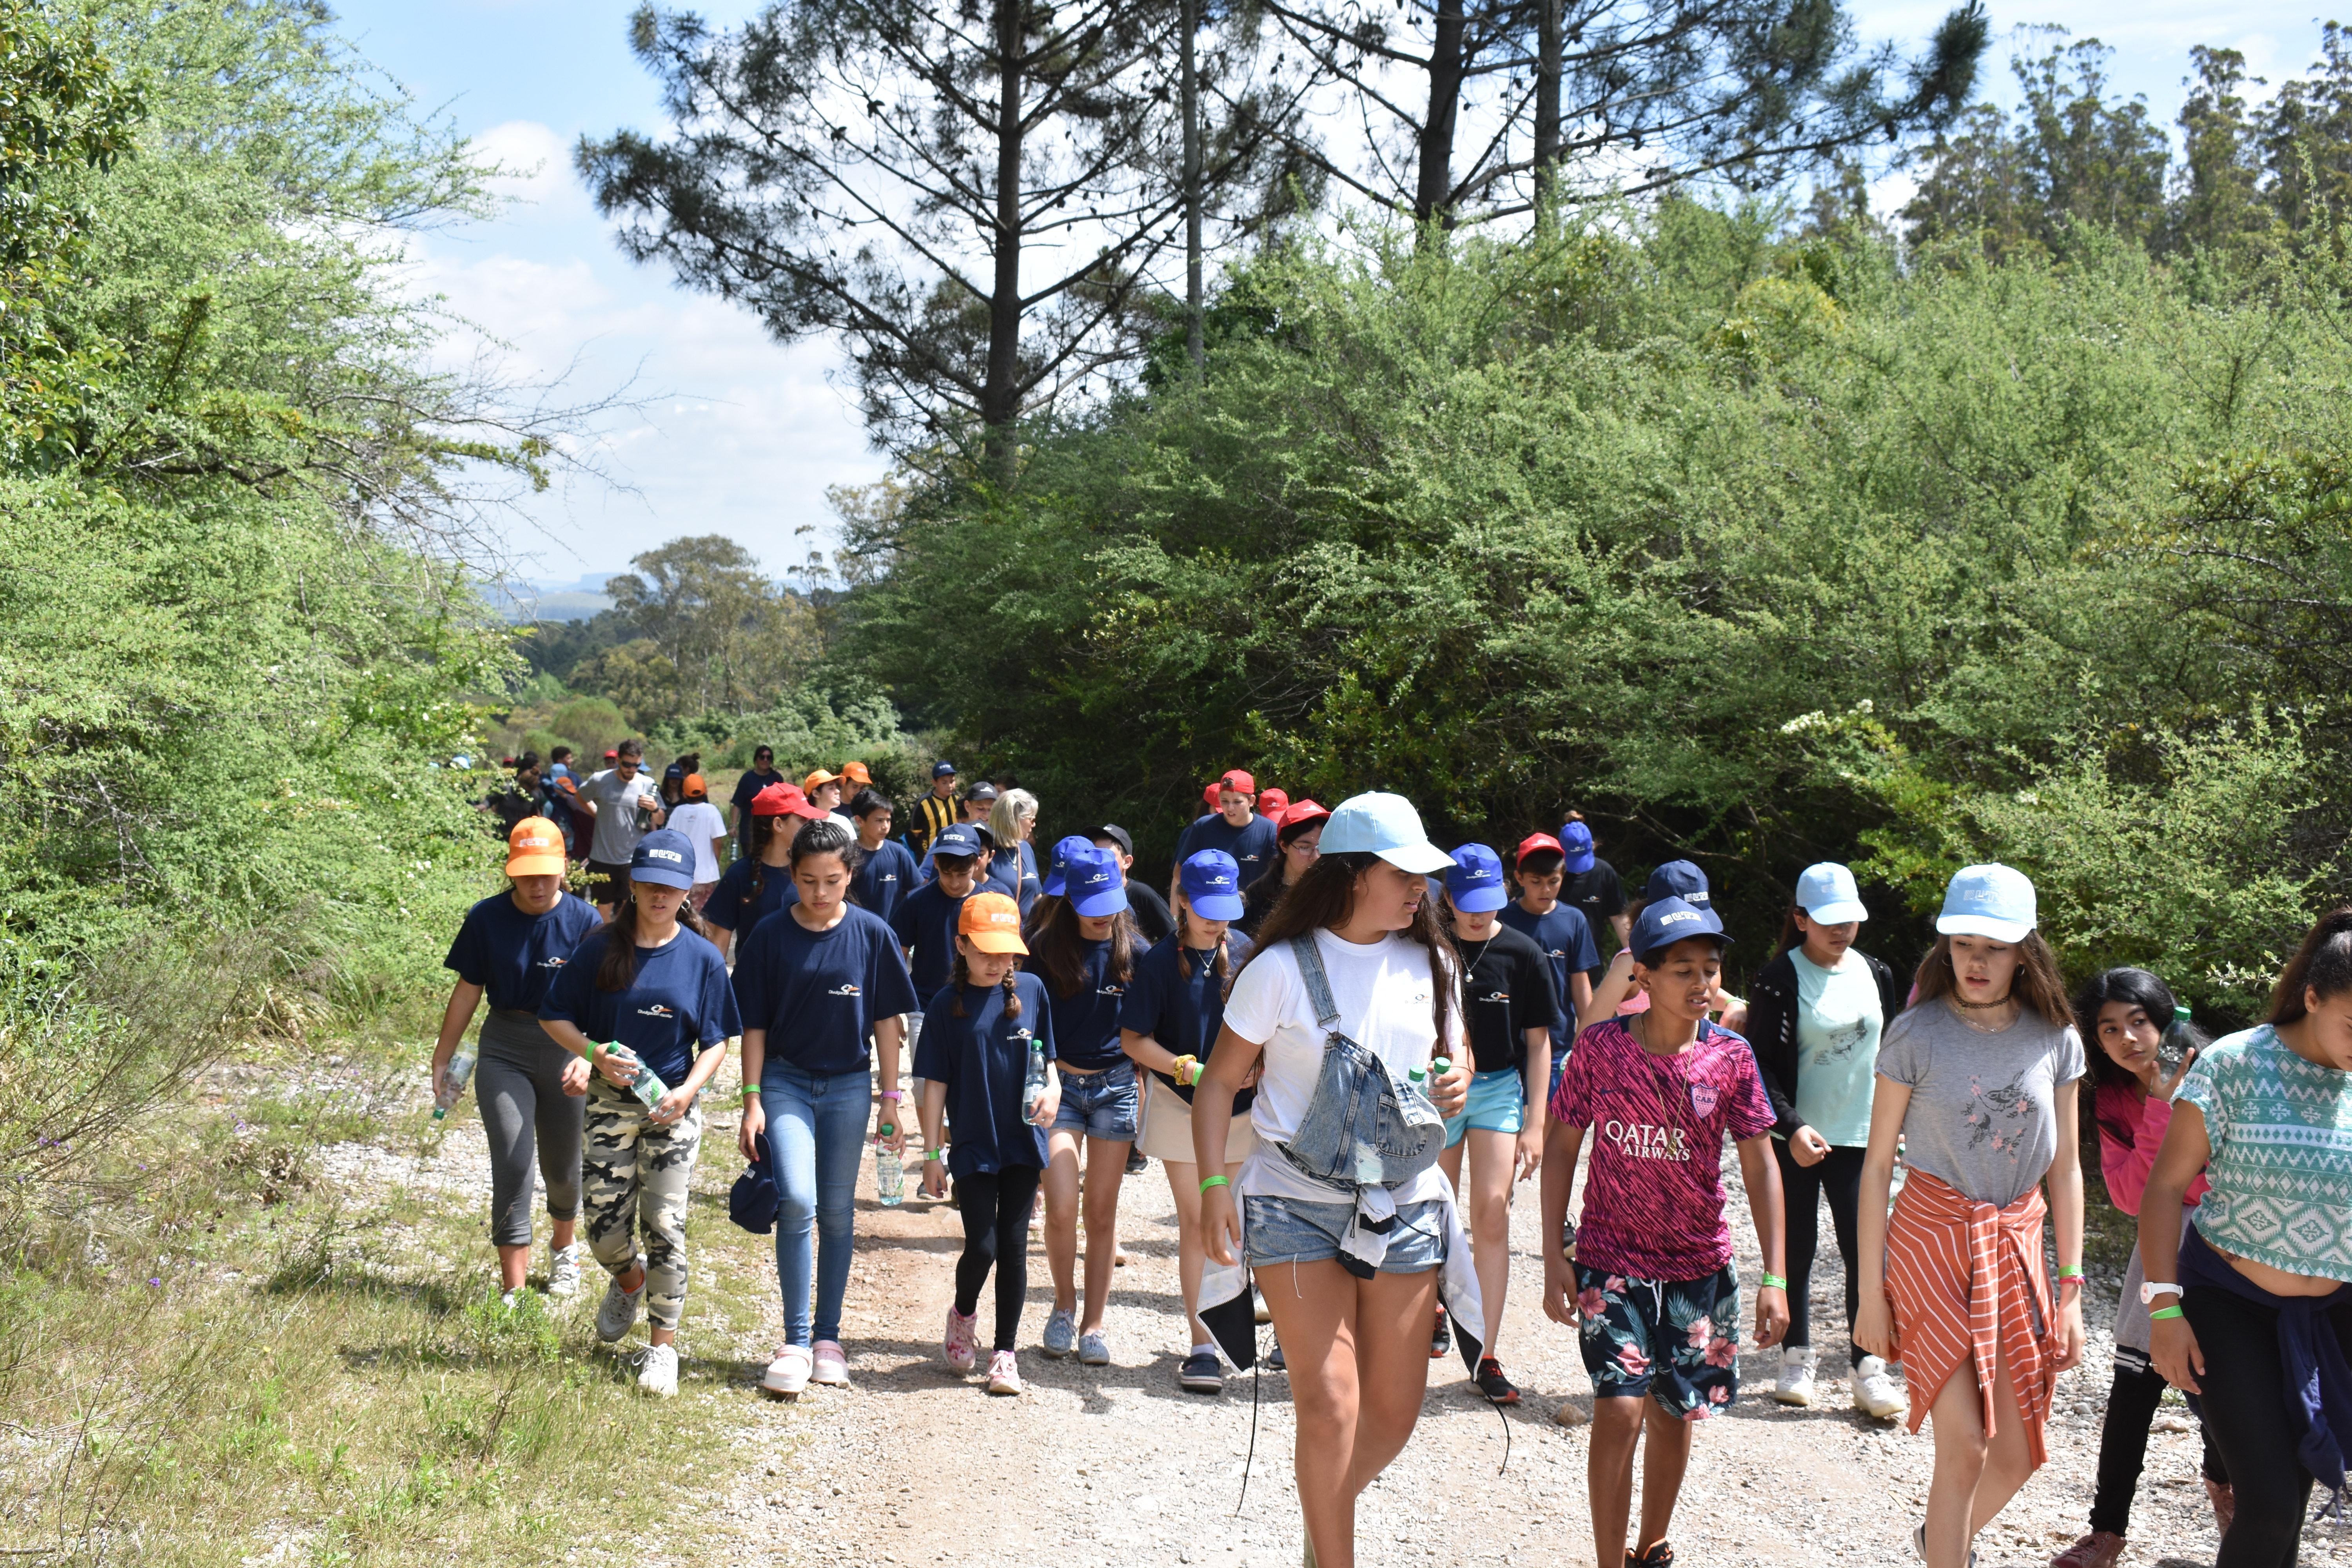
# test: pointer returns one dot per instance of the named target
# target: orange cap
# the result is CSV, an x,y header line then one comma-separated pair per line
x,y
693,788
809,784
992,923
535,848
856,774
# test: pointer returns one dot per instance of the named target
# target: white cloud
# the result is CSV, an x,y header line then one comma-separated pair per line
x,y
535,165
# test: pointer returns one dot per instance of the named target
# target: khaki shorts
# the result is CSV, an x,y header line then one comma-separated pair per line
x,y
1168,1127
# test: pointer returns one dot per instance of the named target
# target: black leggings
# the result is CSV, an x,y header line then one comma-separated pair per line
x,y
995,1209
1839,1174
2244,1406
2122,1441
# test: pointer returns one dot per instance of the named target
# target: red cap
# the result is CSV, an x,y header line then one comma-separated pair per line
x,y
784,800
613,756
1297,812
1212,793
1272,801
1533,842
1238,782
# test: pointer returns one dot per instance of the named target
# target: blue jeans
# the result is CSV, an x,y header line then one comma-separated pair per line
x,y
816,1126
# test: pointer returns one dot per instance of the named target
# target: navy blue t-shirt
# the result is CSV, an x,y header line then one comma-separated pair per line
x,y
984,1059
1086,1030
818,992
678,1007
884,879
515,957
1183,1014
1013,876
925,921
751,784
1252,848
1567,941
731,906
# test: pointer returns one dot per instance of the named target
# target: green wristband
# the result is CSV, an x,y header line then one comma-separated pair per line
x,y
930,1154
750,1090
2070,1272
2165,1313
1208,1181
1774,1282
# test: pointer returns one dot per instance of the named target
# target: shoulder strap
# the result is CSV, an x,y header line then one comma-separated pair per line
x,y
1319,984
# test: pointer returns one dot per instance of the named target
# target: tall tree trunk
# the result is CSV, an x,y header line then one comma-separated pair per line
x,y
1549,48
1000,400
1190,21
1434,188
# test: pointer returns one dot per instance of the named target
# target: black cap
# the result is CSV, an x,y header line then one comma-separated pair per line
x,y
1119,835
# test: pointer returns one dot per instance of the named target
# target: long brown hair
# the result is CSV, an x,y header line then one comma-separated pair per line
x,y
1055,949
2037,984
2322,963
1323,900
959,976
617,969
1220,961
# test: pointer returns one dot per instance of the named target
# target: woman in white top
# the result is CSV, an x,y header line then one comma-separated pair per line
x,y
1355,1332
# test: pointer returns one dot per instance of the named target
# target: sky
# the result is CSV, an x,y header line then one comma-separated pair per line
x,y
733,433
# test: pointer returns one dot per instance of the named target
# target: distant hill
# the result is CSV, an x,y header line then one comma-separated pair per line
x,y
575,601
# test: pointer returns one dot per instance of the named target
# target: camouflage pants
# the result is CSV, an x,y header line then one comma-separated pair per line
x,y
633,1173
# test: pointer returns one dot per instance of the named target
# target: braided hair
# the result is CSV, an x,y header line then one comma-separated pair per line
x,y
959,976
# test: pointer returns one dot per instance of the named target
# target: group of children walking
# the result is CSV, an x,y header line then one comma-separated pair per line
x,y
1344,1098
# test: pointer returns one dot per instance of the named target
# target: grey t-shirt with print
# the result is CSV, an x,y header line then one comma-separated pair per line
x,y
1982,1115
617,799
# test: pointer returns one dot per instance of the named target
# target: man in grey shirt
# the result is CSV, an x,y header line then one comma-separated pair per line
x,y
624,804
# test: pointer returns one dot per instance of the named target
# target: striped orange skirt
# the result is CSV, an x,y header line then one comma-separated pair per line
x,y
1964,1278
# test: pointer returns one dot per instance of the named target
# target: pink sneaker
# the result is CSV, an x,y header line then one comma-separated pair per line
x,y
962,1340
1004,1374
830,1365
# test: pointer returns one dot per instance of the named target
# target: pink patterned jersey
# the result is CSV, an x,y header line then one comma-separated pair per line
x,y
1653,1191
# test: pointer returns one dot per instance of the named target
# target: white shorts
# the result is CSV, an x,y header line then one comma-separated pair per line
x,y
1168,1128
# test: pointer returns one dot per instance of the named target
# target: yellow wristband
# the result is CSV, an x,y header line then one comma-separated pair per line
x,y
1187,1071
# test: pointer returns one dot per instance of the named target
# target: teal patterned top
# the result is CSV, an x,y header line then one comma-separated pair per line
x,y
2281,1128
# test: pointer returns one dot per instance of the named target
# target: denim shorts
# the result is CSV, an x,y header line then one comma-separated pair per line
x,y
1100,1104
1497,1103
1676,1341
1287,1230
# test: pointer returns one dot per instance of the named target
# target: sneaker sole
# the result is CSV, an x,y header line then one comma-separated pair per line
x,y
1200,1385
1792,1397
999,1391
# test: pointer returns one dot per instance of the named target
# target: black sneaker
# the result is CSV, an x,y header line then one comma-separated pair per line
x,y
1273,1361
1493,1385
1136,1163
1659,1555
1441,1338
1202,1373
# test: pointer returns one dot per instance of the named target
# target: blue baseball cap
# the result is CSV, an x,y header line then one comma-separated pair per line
x,y
1993,901
1576,843
1051,886
1665,921
958,840
1826,892
1094,884
1212,883
663,857
1386,825
1679,879
1474,882
943,770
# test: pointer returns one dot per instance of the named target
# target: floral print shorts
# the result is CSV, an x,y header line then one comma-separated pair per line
x,y
1676,1341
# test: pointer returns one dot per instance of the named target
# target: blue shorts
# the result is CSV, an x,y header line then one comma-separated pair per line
x,y
1287,1230
1100,1104
1676,1341
1497,1103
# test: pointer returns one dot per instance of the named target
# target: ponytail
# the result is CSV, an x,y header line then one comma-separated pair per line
x,y
2322,963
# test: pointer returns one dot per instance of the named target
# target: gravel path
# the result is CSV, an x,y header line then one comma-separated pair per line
x,y
1116,1467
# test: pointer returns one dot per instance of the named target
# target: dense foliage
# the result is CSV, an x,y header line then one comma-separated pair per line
x,y
1757,546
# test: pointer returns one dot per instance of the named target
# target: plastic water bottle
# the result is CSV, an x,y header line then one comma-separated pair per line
x,y
646,1084
2181,1039
453,1079
1032,1081
889,1173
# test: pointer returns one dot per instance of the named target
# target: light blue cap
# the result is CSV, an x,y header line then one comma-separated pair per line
x,y
1386,825
1993,900
1826,892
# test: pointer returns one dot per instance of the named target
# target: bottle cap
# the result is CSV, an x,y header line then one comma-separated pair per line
x,y
2181,1011
1416,1075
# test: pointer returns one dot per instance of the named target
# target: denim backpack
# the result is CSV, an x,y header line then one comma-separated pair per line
x,y
1363,1128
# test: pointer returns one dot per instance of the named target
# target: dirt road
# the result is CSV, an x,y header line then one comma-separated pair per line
x,y
1117,1467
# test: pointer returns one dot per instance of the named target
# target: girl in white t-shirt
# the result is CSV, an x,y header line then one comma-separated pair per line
x,y
1356,1345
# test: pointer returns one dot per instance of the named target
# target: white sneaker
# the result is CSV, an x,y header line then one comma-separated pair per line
x,y
788,1372
508,1298
657,1371
618,1311
1795,1384
563,1271
961,1341
1876,1392
831,1367
1004,1373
